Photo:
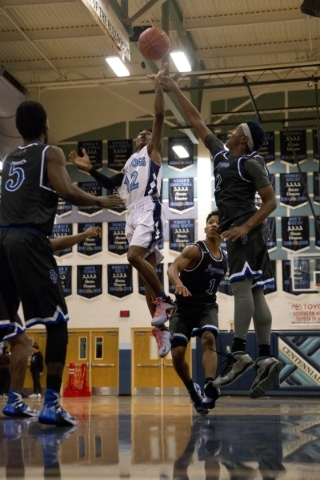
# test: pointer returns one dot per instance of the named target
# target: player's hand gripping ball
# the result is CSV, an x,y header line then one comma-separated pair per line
x,y
154,43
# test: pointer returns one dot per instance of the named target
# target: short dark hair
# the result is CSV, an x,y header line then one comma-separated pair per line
x,y
257,133
145,129
31,119
211,214
35,345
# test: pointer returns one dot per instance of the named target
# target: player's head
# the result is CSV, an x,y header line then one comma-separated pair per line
x,y
258,135
250,134
31,120
212,224
143,138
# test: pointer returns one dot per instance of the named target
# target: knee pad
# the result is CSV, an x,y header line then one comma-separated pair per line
x,y
179,340
198,332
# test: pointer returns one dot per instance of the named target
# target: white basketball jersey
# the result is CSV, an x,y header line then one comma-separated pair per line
x,y
142,178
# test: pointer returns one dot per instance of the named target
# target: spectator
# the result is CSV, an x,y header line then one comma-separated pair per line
x,y
36,369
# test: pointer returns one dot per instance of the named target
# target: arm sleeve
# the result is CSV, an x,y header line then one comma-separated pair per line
x,y
257,173
107,182
214,144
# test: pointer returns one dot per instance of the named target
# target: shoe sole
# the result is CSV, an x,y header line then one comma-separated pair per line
x,y
225,384
263,386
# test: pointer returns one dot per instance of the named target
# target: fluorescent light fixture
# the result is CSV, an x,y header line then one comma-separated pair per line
x,y
0,165
118,66
181,61
180,151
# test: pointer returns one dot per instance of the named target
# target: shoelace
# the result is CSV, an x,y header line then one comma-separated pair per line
x,y
158,335
159,302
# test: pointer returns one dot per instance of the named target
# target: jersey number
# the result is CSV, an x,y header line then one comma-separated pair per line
x,y
18,173
211,286
132,185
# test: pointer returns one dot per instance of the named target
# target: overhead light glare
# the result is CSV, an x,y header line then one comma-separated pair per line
x,y
181,61
180,151
118,66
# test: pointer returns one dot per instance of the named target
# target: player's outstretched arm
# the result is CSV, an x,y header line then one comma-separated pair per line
x,y
61,243
61,182
192,114
156,144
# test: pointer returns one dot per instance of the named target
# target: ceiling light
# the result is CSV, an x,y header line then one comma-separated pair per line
x,y
181,61
180,151
118,66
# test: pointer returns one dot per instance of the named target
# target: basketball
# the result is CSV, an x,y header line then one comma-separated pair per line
x,y
153,43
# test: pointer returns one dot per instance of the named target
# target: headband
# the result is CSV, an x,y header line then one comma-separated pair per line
x,y
246,131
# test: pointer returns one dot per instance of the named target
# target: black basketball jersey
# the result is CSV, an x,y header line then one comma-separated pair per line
x,y
234,189
26,196
203,280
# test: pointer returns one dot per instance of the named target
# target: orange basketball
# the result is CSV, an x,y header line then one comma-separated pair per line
x,y
153,43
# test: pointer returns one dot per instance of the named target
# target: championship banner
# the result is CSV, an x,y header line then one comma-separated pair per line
x,y
159,270
89,246
295,233
65,273
267,151
89,280
272,240
301,277
120,280
62,230
174,160
287,278
181,234
117,240
64,208
316,187
317,221
119,151
293,145
181,194
315,144
94,189
94,152
271,288
292,191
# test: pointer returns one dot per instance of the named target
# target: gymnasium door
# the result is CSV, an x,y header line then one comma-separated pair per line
x,y
97,348
153,375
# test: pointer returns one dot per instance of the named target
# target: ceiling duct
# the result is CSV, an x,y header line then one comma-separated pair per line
x,y
12,93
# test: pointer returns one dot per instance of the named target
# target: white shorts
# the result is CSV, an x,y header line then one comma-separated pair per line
x,y
145,225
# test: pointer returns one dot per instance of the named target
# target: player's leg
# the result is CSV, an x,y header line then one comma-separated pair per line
x,y
181,333
267,367
205,326
144,231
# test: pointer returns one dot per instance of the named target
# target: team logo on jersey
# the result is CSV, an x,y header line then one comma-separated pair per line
x,y
53,276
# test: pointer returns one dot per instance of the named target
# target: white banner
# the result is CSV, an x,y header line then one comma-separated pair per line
x,y
304,313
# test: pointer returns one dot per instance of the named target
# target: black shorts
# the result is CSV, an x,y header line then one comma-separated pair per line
x,y
29,274
191,320
248,256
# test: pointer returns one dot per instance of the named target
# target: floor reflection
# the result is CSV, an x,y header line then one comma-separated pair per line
x,y
127,444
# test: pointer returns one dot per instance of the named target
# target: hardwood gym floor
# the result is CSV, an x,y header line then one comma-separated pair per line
x,y
164,438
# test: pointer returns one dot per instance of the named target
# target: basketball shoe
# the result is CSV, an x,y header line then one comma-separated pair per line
x,y
16,407
197,399
267,369
211,394
163,338
164,309
52,412
237,364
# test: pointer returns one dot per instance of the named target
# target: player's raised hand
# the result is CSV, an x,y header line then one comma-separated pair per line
x,y
93,232
81,162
